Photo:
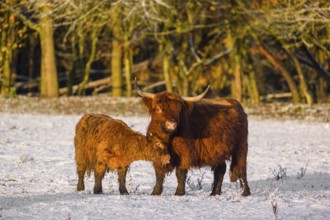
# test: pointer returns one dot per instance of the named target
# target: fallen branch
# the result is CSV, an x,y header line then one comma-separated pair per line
x,y
277,96
89,85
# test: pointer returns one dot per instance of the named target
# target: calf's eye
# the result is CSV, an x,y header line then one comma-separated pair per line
x,y
159,145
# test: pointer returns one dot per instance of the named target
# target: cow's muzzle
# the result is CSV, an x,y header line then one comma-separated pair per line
x,y
170,125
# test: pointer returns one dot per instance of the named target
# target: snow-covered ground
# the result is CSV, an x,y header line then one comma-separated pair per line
x,y
38,177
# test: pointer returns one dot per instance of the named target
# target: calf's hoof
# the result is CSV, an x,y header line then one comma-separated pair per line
x,y
80,188
98,191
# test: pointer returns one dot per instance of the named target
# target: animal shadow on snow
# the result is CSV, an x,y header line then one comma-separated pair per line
x,y
23,200
310,182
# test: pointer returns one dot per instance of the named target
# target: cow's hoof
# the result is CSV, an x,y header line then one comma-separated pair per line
x,y
123,192
215,194
179,193
157,192
246,193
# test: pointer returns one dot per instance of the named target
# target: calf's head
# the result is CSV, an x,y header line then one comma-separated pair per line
x,y
158,148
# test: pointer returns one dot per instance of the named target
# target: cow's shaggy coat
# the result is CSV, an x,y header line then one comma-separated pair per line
x,y
199,133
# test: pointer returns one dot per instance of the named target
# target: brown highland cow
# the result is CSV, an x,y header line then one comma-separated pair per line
x,y
103,143
199,132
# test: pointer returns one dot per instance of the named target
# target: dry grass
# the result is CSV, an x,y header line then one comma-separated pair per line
x,y
73,105
281,110
134,107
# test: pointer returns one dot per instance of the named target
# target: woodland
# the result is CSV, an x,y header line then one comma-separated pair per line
x,y
254,51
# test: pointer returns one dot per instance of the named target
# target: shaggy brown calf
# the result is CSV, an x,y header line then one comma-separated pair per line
x,y
199,132
102,143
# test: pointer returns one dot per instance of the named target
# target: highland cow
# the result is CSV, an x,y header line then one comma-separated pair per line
x,y
103,143
199,132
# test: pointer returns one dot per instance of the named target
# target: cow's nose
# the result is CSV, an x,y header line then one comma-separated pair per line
x,y
170,125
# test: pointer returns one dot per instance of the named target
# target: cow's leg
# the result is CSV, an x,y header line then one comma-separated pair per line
x,y
99,172
160,176
238,168
234,168
219,173
122,181
244,185
181,176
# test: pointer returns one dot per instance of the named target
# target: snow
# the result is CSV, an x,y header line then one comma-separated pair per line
x,y
38,177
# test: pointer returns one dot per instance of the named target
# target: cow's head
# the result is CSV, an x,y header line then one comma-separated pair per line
x,y
166,110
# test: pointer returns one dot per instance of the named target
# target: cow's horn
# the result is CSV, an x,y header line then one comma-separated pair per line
x,y
141,92
196,98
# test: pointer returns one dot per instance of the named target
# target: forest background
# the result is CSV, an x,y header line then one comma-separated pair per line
x,y
253,50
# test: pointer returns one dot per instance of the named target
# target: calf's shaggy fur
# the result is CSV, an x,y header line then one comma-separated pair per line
x,y
103,143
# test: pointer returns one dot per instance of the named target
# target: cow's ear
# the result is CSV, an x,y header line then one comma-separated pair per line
x,y
147,102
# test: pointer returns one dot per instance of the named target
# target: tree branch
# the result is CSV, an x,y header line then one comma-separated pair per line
x,y
24,19
315,63
303,60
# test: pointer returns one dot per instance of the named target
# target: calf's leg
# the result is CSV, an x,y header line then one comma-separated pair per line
x,y
99,172
98,183
181,176
160,176
81,168
219,173
122,181
80,184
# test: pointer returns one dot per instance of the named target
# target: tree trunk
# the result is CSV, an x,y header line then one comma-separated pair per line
x,y
89,62
165,49
49,81
254,93
73,67
6,54
33,42
286,75
128,61
116,55
182,78
116,67
321,88
303,85
6,79
235,65
237,77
